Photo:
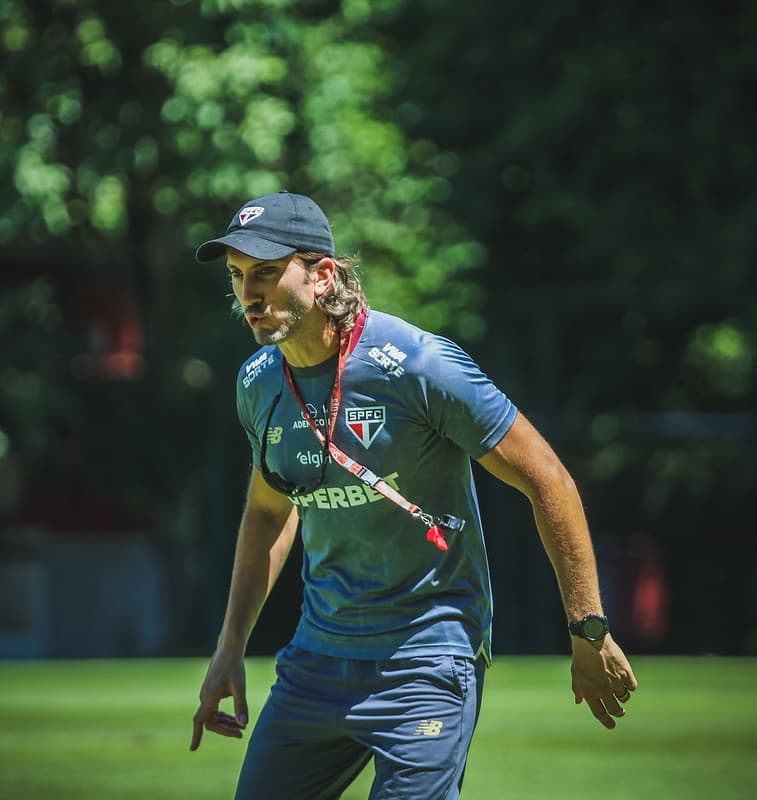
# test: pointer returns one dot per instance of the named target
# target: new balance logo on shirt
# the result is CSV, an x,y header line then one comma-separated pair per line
x,y
274,435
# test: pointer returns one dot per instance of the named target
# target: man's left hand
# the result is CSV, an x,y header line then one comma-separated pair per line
x,y
602,677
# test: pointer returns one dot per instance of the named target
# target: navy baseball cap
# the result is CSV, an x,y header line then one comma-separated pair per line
x,y
271,227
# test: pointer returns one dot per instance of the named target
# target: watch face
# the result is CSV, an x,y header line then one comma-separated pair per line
x,y
594,628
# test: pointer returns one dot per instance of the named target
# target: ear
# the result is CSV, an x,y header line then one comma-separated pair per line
x,y
324,273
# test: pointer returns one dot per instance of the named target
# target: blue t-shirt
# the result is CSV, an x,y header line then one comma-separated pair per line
x,y
415,409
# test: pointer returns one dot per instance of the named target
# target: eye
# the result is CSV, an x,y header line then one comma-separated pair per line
x,y
266,272
235,274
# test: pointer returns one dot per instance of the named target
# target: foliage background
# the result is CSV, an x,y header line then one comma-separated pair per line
x,y
568,192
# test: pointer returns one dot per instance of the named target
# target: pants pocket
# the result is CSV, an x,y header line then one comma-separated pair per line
x,y
460,669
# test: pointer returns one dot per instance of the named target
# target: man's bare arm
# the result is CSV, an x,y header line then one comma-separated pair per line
x,y
523,459
266,534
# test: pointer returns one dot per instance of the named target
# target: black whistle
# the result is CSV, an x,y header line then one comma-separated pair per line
x,y
450,522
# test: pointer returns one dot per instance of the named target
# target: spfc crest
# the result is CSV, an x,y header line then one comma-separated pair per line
x,y
365,423
250,213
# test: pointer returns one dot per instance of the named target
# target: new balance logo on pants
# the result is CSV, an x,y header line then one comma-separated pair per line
x,y
429,727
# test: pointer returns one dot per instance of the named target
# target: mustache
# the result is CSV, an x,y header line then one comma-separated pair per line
x,y
256,309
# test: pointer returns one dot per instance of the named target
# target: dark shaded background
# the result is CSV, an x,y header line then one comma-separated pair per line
x,y
569,193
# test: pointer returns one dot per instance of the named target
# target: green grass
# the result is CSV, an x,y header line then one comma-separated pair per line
x,y
121,729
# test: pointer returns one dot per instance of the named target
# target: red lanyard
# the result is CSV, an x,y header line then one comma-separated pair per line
x,y
347,343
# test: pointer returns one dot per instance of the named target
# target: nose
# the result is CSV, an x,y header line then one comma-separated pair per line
x,y
251,293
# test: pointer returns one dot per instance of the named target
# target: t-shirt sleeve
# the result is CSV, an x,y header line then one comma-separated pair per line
x,y
462,403
244,412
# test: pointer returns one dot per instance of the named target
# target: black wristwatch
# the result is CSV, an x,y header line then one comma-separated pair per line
x,y
593,627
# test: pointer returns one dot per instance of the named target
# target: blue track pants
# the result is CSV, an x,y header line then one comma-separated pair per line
x,y
327,717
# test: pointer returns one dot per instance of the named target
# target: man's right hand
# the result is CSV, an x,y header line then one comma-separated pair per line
x,y
225,678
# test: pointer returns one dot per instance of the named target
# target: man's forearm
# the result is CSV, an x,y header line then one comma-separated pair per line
x,y
564,532
523,459
263,546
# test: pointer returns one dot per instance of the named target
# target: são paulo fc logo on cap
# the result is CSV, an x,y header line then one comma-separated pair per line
x,y
250,213
365,423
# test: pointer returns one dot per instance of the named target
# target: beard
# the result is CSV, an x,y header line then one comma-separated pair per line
x,y
294,312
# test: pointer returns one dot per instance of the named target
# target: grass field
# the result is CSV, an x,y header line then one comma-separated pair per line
x,y
87,730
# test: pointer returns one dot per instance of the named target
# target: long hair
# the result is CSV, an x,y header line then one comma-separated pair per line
x,y
344,299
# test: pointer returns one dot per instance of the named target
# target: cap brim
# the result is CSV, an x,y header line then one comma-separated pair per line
x,y
247,243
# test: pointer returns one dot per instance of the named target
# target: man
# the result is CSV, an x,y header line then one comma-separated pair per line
x,y
362,428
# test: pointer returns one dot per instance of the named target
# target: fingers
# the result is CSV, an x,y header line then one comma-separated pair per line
x,y
216,721
240,709
623,684
607,705
605,708
224,724
210,718
197,723
225,678
604,679
600,712
238,692
623,693
204,714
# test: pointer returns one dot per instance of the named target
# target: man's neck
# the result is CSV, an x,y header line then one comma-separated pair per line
x,y
309,349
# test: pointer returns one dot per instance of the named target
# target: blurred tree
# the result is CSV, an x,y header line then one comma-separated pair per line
x,y
125,145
